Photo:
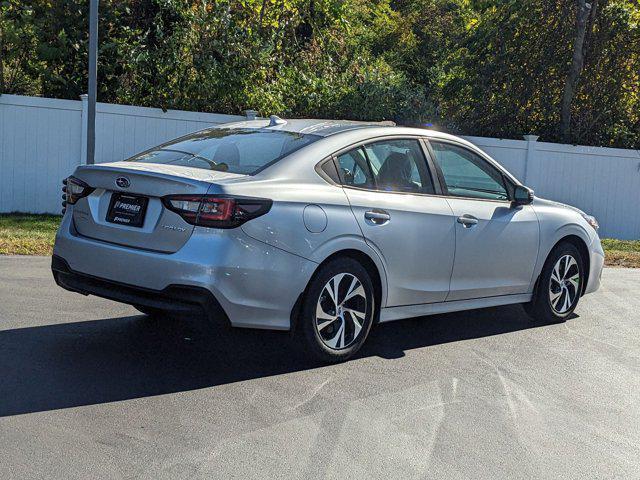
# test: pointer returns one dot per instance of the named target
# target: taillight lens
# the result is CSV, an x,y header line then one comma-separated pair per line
x,y
216,211
74,189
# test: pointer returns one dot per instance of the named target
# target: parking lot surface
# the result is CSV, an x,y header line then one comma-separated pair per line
x,y
93,389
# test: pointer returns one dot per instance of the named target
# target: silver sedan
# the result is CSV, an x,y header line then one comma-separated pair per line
x,y
322,227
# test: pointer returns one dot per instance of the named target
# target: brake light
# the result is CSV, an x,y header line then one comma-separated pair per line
x,y
216,211
73,190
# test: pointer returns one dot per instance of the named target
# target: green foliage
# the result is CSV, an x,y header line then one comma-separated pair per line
x,y
469,66
26,234
621,245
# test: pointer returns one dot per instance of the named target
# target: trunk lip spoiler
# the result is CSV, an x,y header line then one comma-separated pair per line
x,y
187,176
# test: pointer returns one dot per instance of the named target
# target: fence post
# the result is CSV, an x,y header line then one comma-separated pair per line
x,y
531,148
83,120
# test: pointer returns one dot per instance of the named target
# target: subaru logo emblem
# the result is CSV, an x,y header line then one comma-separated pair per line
x,y
123,182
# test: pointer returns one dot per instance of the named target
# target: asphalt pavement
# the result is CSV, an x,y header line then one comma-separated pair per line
x,y
92,389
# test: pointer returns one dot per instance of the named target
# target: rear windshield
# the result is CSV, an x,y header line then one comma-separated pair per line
x,y
236,150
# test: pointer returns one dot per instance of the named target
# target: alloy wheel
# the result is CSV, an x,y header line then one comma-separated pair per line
x,y
564,286
341,311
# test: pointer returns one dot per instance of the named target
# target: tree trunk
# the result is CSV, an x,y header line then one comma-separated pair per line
x,y
577,62
262,11
1,59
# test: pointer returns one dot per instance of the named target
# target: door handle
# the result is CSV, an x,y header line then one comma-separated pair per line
x,y
377,217
467,221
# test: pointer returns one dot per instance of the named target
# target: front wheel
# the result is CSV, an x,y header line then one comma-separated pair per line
x,y
559,286
338,310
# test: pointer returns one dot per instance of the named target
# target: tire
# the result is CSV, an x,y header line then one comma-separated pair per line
x,y
150,311
559,287
334,333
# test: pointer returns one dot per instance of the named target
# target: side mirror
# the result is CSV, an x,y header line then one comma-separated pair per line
x,y
522,195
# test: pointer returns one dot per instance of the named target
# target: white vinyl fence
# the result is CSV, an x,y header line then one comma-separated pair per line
x,y
43,140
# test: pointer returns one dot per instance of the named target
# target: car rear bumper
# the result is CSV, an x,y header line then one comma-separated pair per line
x,y
254,284
183,299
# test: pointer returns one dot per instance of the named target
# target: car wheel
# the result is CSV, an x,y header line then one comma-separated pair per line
x,y
559,286
337,310
152,312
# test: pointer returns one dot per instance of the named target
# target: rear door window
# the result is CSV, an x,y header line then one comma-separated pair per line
x,y
395,165
399,166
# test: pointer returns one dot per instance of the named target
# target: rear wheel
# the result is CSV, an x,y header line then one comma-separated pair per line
x,y
559,287
337,311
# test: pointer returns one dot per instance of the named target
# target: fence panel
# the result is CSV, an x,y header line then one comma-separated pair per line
x,y
604,182
39,145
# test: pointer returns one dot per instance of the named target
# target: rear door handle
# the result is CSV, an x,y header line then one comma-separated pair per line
x,y
467,220
377,217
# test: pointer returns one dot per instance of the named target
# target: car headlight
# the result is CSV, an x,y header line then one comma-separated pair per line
x,y
591,221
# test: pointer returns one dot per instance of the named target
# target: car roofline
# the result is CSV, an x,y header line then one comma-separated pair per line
x,y
328,128
319,127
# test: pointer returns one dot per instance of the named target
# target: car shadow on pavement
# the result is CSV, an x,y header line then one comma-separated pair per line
x,y
98,361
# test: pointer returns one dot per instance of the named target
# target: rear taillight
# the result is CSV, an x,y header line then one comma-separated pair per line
x,y
73,190
216,211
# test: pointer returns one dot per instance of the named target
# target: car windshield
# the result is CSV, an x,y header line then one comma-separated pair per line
x,y
236,150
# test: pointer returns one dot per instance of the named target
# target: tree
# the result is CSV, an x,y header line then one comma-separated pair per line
x,y
18,35
585,18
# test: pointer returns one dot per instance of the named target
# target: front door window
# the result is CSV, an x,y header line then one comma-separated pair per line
x,y
467,174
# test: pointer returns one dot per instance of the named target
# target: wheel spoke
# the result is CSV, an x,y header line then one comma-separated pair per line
x,y
329,288
355,289
554,297
337,341
575,280
324,324
355,311
322,313
570,263
356,320
555,274
560,301
324,318
567,300
337,280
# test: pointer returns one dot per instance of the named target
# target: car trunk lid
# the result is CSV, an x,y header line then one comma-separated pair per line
x,y
126,206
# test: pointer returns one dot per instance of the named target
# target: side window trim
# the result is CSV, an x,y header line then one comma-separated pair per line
x,y
366,156
373,177
436,175
505,180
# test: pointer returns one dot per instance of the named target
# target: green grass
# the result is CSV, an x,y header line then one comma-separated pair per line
x,y
622,253
26,234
